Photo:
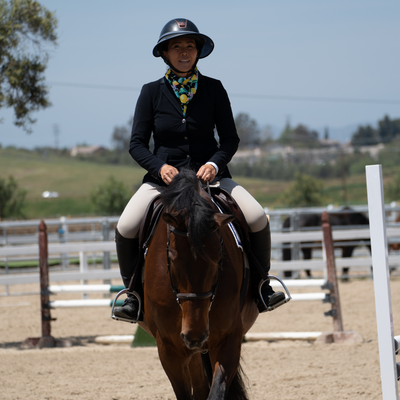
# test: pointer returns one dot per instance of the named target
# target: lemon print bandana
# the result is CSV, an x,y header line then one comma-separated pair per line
x,y
184,88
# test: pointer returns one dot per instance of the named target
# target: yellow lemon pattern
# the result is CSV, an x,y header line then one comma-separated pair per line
x,y
184,88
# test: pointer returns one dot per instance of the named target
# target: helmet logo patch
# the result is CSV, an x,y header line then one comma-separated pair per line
x,y
182,24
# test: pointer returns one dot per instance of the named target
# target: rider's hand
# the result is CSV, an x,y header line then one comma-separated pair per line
x,y
167,173
206,173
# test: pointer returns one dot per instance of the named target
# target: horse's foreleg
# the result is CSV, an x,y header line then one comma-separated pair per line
x,y
225,363
199,379
176,367
219,388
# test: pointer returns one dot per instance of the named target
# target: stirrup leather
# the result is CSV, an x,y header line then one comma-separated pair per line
x,y
288,297
133,293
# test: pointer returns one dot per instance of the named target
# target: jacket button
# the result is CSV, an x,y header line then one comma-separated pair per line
x,y
185,138
184,121
188,156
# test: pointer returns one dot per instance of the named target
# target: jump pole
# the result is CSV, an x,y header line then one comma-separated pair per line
x,y
380,264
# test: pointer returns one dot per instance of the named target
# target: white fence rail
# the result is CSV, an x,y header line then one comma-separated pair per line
x,y
62,230
109,246
83,249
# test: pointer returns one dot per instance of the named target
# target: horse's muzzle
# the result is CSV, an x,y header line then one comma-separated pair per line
x,y
194,343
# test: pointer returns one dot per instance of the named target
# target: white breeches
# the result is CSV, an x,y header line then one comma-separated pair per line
x,y
131,218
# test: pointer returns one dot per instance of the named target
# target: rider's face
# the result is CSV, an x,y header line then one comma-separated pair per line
x,y
181,54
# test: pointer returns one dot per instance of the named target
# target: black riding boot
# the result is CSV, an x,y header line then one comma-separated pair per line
x,y
128,257
261,247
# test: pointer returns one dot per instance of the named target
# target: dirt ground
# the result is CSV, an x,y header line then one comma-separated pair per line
x,y
284,370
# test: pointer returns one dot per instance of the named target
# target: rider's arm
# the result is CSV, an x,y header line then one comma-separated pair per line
x,y
142,127
226,129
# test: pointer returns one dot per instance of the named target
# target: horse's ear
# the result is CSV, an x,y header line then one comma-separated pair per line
x,y
170,219
223,219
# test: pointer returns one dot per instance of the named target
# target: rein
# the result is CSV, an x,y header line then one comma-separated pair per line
x,y
189,296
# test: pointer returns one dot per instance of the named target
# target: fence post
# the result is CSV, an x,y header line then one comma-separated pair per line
x,y
338,335
336,311
46,340
6,267
105,231
383,299
63,233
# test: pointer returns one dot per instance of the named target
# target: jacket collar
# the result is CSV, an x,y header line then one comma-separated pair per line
x,y
170,95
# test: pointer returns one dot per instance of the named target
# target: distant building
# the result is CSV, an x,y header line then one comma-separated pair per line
x,y
373,151
248,154
330,143
87,150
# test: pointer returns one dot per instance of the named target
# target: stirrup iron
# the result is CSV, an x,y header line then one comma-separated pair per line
x,y
133,293
288,297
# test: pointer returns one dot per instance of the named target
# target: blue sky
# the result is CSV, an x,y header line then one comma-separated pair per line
x,y
274,57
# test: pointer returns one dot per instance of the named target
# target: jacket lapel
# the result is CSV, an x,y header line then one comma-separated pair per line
x,y
170,95
197,96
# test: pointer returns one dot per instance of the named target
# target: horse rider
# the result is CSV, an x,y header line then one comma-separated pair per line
x,y
181,110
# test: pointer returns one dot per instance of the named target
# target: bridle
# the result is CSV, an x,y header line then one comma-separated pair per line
x,y
190,296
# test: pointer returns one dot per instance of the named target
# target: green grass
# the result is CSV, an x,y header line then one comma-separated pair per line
x,y
57,207
356,193
74,180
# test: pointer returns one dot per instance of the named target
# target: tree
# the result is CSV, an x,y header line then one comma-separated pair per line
x,y
365,136
388,129
326,133
248,130
300,136
389,156
12,199
392,189
303,137
266,135
24,26
121,137
305,191
286,135
111,197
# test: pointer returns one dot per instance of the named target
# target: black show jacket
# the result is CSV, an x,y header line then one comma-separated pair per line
x,y
183,140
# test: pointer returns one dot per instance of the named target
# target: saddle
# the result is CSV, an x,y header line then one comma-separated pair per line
x,y
229,206
226,205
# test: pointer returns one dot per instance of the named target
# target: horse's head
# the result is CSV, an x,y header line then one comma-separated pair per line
x,y
195,251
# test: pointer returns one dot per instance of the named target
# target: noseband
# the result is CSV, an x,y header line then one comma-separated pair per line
x,y
190,296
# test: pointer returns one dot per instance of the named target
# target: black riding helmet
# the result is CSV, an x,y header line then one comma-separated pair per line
x,y
183,27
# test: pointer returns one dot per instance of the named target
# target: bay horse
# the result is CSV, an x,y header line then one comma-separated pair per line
x,y
192,282
346,217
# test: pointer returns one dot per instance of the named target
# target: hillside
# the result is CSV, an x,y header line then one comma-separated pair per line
x,y
72,179
75,179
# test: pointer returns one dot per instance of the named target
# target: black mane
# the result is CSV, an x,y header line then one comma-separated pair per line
x,y
182,196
